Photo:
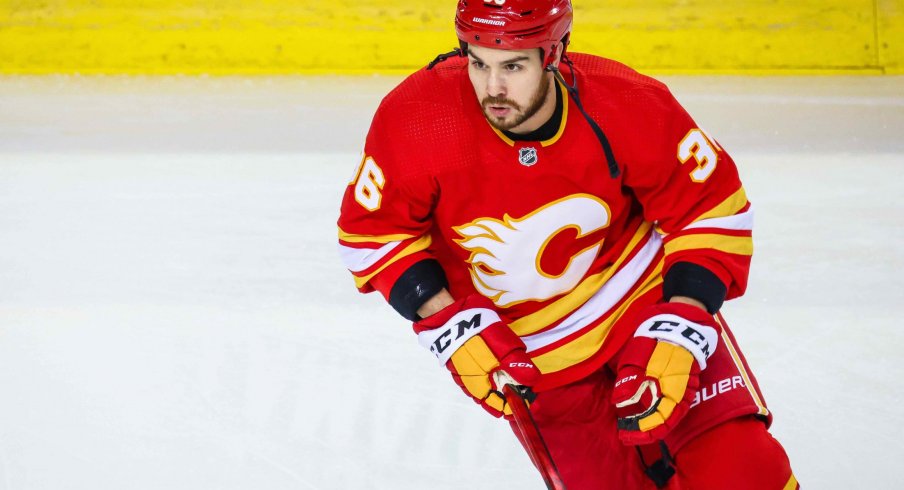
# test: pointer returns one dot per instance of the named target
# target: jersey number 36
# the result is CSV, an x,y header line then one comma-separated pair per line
x,y
700,147
369,181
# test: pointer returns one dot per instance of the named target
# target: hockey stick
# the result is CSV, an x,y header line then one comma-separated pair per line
x,y
530,434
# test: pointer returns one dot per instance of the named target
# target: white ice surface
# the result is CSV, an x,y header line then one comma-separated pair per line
x,y
174,315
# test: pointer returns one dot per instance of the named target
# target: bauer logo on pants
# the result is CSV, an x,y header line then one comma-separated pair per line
x,y
707,393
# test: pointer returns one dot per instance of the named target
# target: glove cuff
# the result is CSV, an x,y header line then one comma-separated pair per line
x,y
447,330
700,338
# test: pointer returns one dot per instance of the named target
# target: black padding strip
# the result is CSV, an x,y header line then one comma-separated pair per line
x,y
694,281
415,286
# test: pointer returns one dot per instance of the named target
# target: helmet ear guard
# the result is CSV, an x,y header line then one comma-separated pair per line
x,y
550,62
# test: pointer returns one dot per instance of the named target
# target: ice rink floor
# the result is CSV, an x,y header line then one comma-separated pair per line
x,y
174,314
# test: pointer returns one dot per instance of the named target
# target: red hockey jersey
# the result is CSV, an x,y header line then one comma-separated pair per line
x,y
541,228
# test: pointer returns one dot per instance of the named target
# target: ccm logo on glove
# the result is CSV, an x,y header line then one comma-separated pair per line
x,y
659,370
700,340
445,340
520,365
470,339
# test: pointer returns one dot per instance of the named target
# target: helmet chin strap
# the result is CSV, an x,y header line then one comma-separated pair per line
x,y
572,89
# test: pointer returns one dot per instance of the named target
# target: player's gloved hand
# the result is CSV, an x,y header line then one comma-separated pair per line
x,y
470,339
659,370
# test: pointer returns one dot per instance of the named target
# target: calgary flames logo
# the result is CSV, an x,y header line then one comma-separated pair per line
x,y
507,255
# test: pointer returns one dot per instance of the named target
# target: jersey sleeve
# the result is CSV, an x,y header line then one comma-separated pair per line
x,y
689,187
384,222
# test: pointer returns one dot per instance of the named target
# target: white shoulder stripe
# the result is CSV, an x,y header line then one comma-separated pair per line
x,y
359,259
743,221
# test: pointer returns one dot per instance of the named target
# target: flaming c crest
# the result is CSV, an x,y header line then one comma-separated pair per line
x,y
505,254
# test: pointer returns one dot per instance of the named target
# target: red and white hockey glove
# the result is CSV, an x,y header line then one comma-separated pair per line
x,y
659,370
470,339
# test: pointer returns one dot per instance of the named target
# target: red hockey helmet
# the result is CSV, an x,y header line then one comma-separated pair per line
x,y
515,24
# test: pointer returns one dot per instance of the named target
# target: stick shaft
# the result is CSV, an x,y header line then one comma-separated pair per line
x,y
533,441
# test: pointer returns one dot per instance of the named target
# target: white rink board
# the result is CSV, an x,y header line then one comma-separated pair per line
x,y
173,312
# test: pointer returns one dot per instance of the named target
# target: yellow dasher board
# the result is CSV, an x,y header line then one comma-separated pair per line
x,y
394,36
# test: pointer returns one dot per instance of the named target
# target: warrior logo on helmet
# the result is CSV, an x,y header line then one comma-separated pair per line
x,y
515,24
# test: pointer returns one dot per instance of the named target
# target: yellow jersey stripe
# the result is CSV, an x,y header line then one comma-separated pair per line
x,y
353,238
590,343
608,297
792,483
741,245
564,116
502,135
728,207
420,244
589,287
737,222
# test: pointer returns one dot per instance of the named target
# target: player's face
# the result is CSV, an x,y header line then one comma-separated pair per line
x,y
512,87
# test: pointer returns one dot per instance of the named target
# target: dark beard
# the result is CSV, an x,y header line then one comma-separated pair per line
x,y
536,102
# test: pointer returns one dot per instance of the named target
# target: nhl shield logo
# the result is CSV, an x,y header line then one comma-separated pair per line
x,y
527,156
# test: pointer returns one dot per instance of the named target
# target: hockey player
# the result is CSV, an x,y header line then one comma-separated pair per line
x,y
560,217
